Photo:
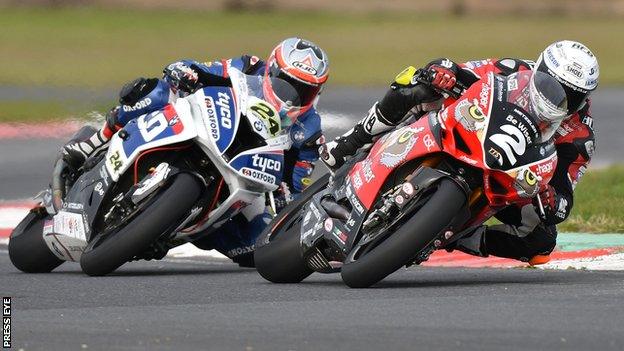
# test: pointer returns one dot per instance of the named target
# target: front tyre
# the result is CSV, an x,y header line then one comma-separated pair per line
x,y
408,240
27,249
167,209
278,255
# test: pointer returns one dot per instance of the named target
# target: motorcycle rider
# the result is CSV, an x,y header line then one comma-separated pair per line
x,y
299,62
526,234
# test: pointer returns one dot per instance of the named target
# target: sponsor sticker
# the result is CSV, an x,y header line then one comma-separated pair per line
x,y
70,224
356,180
368,171
589,147
328,225
428,141
354,200
304,67
266,163
299,136
306,218
223,102
258,175
212,118
139,105
484,95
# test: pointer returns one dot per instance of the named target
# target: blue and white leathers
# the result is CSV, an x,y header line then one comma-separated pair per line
x,y
240,133
238,234
304,132
160,96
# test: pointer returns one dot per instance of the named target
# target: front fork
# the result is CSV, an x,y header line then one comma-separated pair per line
x,y
403,195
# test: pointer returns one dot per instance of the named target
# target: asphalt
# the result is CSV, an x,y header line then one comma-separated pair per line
x,y
218,306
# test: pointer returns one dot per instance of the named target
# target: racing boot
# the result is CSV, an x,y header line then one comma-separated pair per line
x,y
539,259
335,153
77,151
408,95
472,244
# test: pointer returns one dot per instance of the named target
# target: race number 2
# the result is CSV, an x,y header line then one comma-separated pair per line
x,y
512,143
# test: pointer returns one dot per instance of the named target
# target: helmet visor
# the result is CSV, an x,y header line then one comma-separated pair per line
x,y
547,102
576,96
291,90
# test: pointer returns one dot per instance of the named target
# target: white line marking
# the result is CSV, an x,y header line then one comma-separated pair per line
x,y
11,216
190,250
613,262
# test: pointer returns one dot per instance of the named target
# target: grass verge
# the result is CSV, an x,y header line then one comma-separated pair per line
x,y
104,48
598,203
25,111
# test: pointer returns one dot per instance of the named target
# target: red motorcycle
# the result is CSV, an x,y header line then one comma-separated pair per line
x,y
394,204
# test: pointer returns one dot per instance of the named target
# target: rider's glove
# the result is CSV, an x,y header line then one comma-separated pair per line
x,y
406,93
553,212
282,197
442,78
181,77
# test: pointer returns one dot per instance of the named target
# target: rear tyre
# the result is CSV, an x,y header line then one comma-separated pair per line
x,y
161,215
407,240
27,249
278,255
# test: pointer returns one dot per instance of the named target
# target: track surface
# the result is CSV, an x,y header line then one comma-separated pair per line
x,y
218,306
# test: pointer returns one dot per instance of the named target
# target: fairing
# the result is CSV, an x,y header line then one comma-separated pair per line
x,y
239,133
482,130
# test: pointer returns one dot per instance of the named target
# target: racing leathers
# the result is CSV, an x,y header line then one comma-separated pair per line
x,y
525,234
236,237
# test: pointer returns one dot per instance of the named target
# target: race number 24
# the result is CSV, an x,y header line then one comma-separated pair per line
x,y
6,322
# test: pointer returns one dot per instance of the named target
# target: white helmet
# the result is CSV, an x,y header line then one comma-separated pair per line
x,y
574,66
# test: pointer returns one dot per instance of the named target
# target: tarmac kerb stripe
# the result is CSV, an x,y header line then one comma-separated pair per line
x,y
460,259
11,213
54,130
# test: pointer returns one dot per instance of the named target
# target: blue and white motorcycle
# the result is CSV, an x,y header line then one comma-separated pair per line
x,y
169,177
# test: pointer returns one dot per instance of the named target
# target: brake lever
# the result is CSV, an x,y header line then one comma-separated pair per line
x,y
540,207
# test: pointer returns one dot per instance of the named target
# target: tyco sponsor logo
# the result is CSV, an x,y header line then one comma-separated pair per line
x,y
224,110
266,163
6,322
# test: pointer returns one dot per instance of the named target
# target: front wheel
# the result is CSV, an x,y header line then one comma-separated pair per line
x,y
408,240
278,255
27,249
164,213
